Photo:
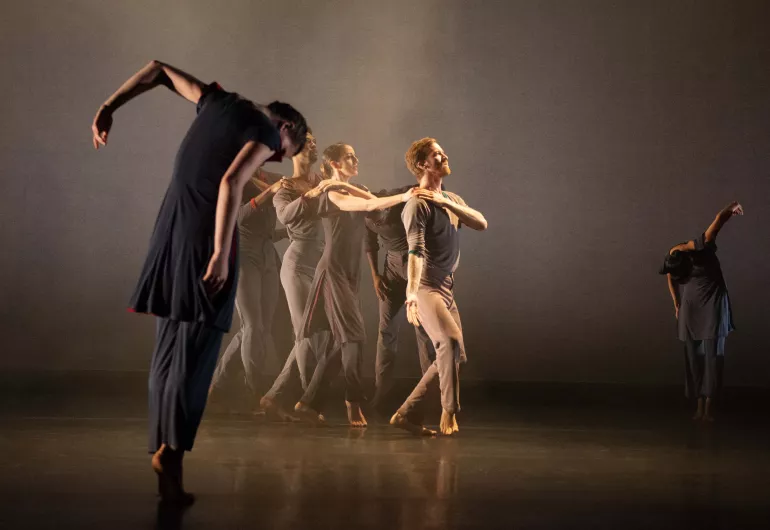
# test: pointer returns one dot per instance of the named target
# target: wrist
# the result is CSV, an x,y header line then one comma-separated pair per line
x,y
411,298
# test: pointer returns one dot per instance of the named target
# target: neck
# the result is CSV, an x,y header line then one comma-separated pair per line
x,y
301,168
430,181
340,176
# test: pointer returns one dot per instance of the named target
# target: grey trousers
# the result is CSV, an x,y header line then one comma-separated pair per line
x,y
348,356
703,367
441,319
255,300
180,373
392,316
297,272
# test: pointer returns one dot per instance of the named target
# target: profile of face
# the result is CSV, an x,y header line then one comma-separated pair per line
x,y
436,162
347,165
310,151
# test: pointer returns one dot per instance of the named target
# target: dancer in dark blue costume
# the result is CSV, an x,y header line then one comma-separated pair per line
x,y
189,277
703,311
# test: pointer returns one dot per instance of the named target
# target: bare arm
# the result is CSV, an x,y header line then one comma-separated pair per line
x,y
467,215
673,288
372,256
683,247
267,177
153,74
349,203
356,191
724,215
251,156
265,195
414,275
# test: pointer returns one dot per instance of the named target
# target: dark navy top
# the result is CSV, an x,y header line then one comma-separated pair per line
x,y
385,228
704,311
433,232
170,284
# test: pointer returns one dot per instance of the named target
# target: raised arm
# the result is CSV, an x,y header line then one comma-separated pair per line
x,y
467,215
724,215
251,157
153,74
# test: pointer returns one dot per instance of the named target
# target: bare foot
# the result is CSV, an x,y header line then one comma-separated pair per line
x,y
274,410
699,411
305,413
707,416
448,424
167,464
401,422
156,462
355,414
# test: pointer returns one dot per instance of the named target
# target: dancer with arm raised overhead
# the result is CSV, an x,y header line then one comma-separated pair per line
x,y
189,277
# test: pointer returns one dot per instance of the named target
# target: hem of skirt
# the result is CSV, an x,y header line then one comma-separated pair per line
x,y
178,319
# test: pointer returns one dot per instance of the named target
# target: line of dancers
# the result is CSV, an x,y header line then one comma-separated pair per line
x,y
199,268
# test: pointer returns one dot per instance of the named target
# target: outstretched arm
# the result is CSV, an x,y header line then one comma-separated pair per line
x,y
467,215
152,75
348,203
724,215
251,157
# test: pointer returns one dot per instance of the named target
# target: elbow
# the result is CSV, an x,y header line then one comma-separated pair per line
x,y
481,225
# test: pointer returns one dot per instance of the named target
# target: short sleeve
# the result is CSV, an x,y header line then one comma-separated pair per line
x,y
325,207
371,243
211,92
415,217
261,129
456,198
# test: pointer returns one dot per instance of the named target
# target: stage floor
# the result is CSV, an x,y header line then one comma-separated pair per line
x,y
72,455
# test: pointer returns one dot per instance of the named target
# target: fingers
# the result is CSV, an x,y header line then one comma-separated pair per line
x,y
213,284
412,315
99,139
425,195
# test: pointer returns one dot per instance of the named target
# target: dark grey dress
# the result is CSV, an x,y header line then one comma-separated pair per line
x,y
334,304
704,311
334,301
183,239
705,320
190,324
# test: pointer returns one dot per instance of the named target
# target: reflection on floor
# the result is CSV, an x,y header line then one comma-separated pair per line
x,y
522,465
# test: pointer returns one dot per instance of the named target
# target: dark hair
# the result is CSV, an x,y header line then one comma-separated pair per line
x,y
287,113
678,264
333,153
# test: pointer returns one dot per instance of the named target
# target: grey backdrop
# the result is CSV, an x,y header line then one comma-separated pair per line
x,y
593,135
